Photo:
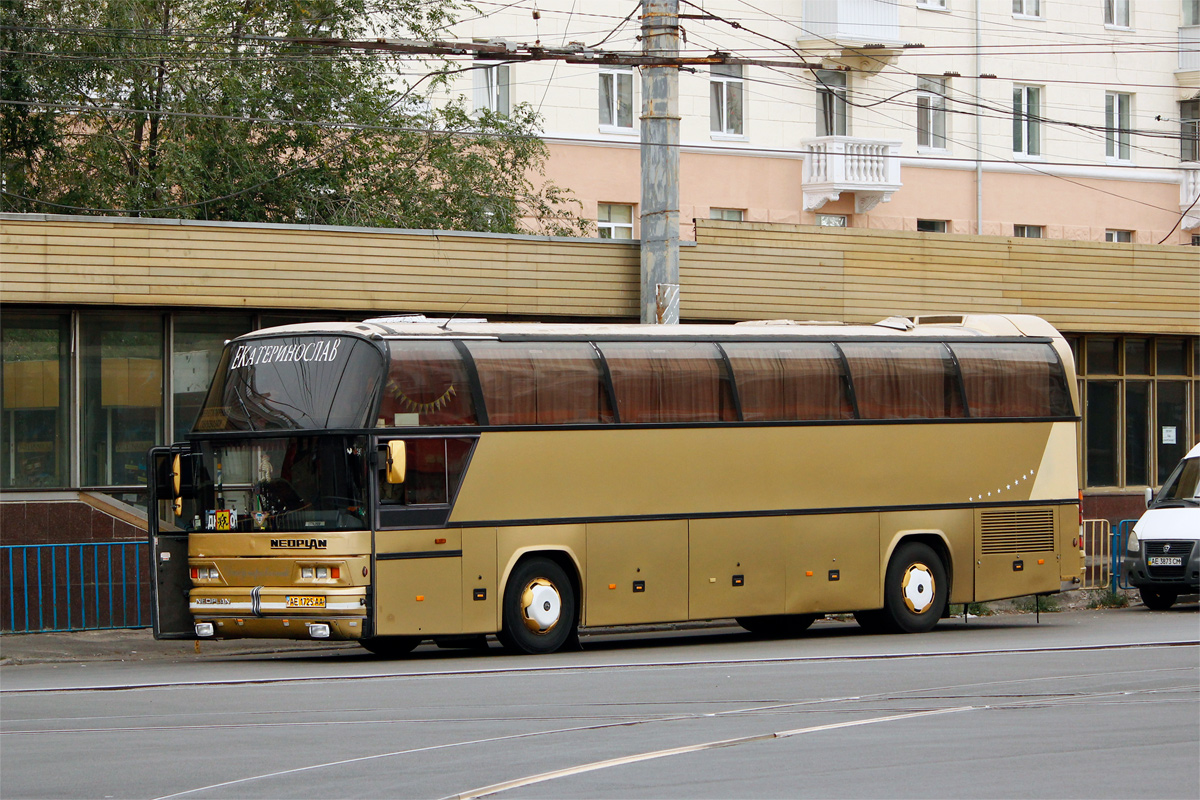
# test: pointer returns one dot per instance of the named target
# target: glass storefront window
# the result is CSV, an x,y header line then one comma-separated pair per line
x,y
1171,360
1102,354
1142,412
36,377
121,393
1102,433
1171,436
1137,433
1137,356
195,352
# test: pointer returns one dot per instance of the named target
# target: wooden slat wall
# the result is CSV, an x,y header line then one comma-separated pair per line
x,y
741,270
735,271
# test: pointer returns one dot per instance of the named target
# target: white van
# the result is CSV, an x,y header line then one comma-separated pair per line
x,y
1162,556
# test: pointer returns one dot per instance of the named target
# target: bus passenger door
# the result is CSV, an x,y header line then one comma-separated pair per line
x,y
170,481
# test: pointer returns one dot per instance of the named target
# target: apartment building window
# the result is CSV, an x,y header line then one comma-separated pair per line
x,y
614,221
932,225
1189,116
832,114
1027,231
1027,8
1116,13
1137,392
727,214
832,220
726,99
1191,12
1027,121
616,98
490,89
1118,236
1118,124
933,5
931,113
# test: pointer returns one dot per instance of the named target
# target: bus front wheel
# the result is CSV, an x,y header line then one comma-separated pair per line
x,y
539,608
914,591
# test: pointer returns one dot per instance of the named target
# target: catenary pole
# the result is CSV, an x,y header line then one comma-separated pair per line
x,y
660,165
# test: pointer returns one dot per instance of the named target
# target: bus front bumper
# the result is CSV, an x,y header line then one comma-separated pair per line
x,y
266,612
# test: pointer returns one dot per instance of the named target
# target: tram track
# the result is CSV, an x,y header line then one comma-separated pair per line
x,y
594,666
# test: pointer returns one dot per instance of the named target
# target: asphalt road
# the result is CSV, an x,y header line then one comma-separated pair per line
x,y
1093,704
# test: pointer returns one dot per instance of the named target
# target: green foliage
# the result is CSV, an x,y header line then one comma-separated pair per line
x,y
974,609
1036,603
185,109
1107,598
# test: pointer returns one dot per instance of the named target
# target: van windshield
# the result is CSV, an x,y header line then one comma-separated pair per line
x,y
1182,488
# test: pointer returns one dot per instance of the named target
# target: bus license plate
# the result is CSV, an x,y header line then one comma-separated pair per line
x,y
1165,561
305,601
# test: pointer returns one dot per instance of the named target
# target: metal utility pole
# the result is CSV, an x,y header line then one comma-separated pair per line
x,y
660,164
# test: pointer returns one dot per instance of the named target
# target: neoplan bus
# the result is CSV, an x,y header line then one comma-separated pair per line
x,y
406,479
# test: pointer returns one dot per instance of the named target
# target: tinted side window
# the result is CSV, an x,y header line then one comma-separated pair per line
x,y
426,385
669,382
541,383
905,380
789,380
1013,380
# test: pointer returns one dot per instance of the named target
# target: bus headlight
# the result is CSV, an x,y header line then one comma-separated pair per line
x,y
1132,546
318,630
204,629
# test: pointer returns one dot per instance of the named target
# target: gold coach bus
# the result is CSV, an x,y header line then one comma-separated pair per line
x,y
405,479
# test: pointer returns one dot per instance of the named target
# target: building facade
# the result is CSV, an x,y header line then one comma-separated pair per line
x,y
111,328
1033,118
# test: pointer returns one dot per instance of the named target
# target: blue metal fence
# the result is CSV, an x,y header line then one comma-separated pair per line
x,y
1118,553
74,587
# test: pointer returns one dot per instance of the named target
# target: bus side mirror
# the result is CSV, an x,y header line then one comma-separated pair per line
x,y
397,461
168,482
1149,495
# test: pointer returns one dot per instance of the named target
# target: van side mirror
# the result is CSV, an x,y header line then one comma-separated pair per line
x,y
397,461
1149,495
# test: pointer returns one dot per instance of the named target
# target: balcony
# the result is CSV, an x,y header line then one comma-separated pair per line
x,y
852,22
870,168
1189,197
1189,48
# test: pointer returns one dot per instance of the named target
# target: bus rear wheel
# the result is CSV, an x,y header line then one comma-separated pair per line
x,y
539,608
914,591
391,646
778,626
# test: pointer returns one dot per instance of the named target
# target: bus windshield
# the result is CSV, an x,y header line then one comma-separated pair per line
x,y
296,483
293,382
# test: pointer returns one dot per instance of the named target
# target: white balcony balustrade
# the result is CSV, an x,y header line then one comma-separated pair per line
x,y
870,168
1189,48
1189,198
852,22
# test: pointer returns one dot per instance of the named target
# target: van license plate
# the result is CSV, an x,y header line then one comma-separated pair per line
x,y
1165,561
305,601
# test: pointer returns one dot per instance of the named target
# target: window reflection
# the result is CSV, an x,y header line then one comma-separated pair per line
x,y
33,429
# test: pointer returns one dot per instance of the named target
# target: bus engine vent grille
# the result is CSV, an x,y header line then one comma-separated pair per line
x,y
1016,531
